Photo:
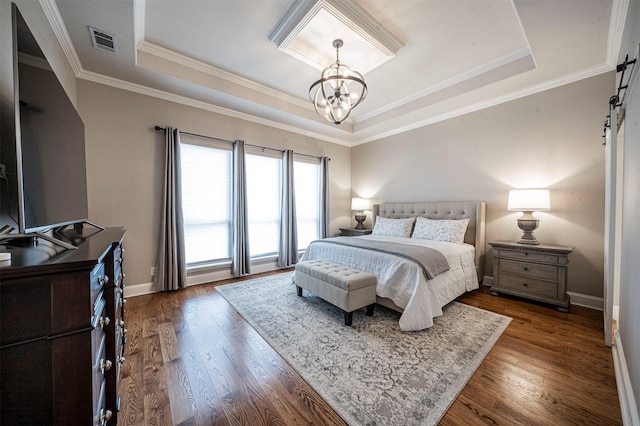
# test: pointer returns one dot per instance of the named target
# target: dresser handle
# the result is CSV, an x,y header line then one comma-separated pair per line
x,y
119,261
105,416
104,321
105,365
103,281
120,323
120,359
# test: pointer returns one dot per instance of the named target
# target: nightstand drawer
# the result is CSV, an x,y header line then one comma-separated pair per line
x,y
528,256
528,269
527,285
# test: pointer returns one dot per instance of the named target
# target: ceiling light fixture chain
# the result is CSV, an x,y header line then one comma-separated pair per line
x,y
338,91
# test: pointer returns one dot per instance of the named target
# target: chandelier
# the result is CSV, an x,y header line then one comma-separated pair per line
x,y
338,91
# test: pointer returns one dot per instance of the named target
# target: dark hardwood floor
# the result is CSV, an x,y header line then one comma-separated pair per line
x,y
192,360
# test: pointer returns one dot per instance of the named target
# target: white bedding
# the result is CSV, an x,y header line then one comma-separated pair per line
x,y
402,280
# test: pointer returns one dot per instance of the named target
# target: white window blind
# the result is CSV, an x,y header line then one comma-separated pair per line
x,y
206,201
307,187
263,203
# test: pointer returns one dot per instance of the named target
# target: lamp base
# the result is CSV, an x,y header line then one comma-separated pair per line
x,y
360,219
528,224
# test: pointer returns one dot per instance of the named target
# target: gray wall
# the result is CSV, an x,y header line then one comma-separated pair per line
x,y
552,139
125,161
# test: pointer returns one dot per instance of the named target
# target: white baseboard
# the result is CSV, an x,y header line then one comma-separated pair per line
x,y
132,290
628,407
587,301
195,278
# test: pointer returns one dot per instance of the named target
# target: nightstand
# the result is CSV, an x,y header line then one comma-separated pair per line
x,y
352,232
537,272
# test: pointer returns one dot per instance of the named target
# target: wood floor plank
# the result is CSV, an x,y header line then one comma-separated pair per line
x,y
191,359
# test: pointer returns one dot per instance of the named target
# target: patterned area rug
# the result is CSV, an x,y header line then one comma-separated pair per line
x,y
370,373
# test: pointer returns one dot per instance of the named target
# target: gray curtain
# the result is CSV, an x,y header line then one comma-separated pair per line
x,y
324,197
171,268
288,253
241,258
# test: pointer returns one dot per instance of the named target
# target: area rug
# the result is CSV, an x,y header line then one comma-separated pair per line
x,y
370,373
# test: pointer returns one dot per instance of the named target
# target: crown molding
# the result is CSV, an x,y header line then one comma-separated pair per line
x,y
616,29
34,61
139,22
531,90
450,82
186,61
52,13
346,11
183,100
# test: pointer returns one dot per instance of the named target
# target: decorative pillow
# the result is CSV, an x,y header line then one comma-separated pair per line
x,y
393,227
440,230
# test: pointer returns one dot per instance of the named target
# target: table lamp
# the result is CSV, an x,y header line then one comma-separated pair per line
x,y
360,205
528,201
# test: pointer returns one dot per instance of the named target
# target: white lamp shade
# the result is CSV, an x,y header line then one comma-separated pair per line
x,y
529,200
359,204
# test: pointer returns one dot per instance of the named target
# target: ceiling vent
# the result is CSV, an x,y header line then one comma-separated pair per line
x,y
103,40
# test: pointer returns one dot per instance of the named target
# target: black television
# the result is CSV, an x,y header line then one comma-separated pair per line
x,y
43,183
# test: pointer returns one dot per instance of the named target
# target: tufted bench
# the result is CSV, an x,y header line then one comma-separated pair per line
x,y
347,288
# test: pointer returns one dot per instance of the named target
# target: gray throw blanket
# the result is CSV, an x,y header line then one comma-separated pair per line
x,y
430,260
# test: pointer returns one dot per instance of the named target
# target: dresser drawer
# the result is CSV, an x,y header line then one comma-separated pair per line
x,y
97,281
528,269
527,256
529,286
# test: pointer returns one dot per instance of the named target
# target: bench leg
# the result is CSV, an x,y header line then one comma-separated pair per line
x,y
299,290
370,309
348,318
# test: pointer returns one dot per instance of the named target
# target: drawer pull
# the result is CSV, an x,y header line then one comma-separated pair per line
x,y
105,365
103,281
119,261
121,323
104,321
120,359
105,416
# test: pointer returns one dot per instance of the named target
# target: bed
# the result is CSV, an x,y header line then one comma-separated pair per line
x,y
402,284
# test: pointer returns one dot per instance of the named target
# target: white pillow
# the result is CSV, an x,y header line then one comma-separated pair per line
x,y
440,230
393,227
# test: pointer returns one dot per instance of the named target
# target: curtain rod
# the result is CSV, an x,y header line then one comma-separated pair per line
x,y
246,144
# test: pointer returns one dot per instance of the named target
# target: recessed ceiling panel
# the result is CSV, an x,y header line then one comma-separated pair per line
x,y
308,29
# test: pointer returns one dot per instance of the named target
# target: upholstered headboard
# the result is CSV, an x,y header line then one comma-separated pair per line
x,y
473,210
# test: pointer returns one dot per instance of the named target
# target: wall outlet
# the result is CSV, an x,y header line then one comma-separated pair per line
x,y
153,271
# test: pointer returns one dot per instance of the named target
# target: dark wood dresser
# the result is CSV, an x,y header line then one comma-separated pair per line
x,y
62,330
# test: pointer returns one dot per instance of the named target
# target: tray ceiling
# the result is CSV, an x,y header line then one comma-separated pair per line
x,y
452,57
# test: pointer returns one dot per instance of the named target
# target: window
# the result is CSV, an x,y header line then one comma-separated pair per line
x,y
307,187
206,200
263,203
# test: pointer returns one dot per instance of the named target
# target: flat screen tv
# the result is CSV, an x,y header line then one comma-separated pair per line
x,y
43,184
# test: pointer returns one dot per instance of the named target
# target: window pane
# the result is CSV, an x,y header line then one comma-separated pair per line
x,y
206,202
263,203
307,187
